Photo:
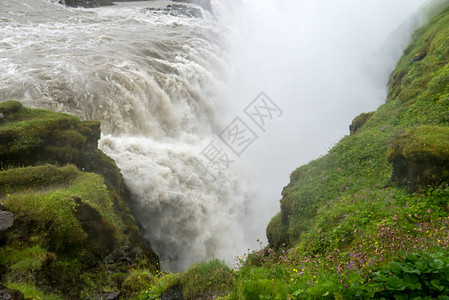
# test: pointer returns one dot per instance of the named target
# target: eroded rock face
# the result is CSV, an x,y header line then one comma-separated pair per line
x,y
417,175
420,158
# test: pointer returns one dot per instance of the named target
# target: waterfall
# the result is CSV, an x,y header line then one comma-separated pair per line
x,y
166,84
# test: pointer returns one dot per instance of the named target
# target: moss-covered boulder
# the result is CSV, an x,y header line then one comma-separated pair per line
x,y
359,121
73,232
420,157
277,232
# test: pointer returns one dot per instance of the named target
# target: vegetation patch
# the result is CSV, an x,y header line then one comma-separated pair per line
x,y
207,279
73,231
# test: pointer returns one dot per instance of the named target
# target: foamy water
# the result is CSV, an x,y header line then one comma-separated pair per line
x,y
164,86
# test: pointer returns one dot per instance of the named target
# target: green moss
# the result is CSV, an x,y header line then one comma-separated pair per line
x,y
39,177
31,292
163,283
10,106
412,123
71,137
359,121
204,279
54,210
67,223
422,143
25,260
276,232
137,281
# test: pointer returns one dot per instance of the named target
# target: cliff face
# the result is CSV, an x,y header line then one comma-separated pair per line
x,y
73,227
400,147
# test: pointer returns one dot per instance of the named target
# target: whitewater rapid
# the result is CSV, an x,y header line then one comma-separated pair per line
x,y
165,85
156,83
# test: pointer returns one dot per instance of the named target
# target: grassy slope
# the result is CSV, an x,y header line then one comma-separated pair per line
x,y
341,218
358,164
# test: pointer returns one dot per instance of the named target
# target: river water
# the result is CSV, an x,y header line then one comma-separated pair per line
x,y
165,84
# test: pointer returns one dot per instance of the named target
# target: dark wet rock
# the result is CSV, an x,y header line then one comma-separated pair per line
x,y
359,121
205,4
174,293
178,10
108,296
6,220
419,56
86,3
4,295
10,294
102,234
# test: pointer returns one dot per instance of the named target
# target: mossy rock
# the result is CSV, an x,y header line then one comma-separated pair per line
x,y
69,221
10,106
205,279
359,121
277,234
420,157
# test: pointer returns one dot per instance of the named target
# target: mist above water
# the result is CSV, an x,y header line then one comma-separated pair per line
x,y
324,62
165,86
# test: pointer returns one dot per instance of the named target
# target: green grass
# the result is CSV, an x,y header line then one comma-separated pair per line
x,y
341,218
71,227
205,279
20,179
421,143
55,207
360,161
137,281
27,259
162,283
31,292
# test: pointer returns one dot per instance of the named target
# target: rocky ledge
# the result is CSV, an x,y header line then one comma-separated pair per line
x,y
68,228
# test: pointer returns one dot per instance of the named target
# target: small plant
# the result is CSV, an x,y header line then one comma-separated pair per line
x,y
161,284
136,281
416,275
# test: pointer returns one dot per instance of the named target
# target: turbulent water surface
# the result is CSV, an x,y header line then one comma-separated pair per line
x,y
164,83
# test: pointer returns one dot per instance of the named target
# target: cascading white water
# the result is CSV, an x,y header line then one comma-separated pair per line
x,y
156,83
164,86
